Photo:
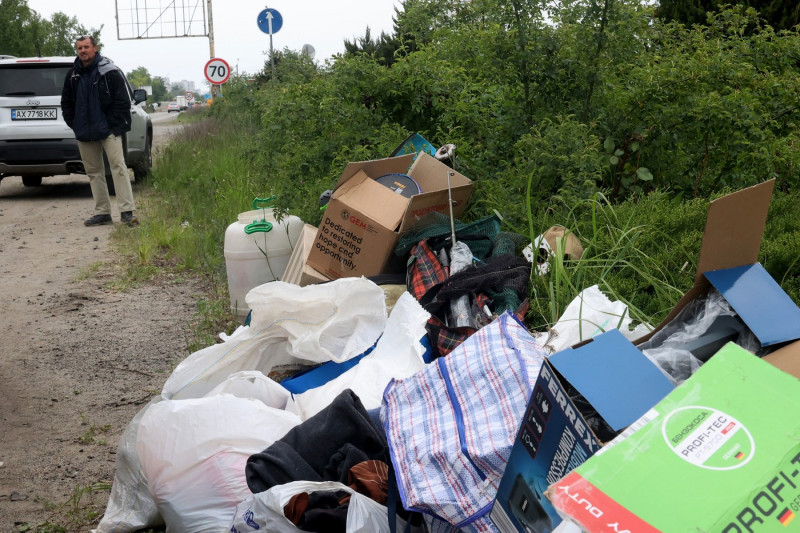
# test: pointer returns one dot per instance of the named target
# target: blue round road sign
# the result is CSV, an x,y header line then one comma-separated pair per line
x,y
269,21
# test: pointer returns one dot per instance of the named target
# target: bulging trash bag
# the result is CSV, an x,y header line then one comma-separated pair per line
x,y
290,325
398,355
193,453
131,506
264,511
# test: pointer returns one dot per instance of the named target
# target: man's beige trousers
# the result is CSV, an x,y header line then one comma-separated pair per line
x,y
92,156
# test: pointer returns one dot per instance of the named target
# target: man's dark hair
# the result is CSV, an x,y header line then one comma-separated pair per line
x,y
84,37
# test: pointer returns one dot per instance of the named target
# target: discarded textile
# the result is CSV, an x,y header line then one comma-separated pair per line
x,y
265,511
451,426
493,286
482,236
326,511
323,448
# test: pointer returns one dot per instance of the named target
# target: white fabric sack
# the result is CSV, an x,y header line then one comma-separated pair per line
x,y
264,511
397,355
590,314
193,453
329,322
255,385
290,324
130,506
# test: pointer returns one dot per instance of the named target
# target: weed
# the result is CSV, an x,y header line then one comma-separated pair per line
x,y
90,435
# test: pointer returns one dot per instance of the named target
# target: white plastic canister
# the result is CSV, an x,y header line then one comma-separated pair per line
x,y
257,251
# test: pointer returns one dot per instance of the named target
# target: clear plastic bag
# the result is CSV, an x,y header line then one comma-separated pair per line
x,y
695,334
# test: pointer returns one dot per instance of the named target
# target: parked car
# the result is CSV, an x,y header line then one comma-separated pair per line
x,y
35,142
173,106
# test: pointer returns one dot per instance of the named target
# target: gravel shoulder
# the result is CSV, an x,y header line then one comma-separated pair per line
x,y
78,357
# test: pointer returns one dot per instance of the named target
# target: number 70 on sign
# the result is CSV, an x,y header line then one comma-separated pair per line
x,y
217,71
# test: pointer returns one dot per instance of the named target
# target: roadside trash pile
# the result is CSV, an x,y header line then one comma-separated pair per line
x,y
354,399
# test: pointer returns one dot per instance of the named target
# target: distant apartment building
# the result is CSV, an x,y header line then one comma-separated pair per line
x,y
183,85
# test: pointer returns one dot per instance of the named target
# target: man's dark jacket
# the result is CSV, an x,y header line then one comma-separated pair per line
x,y
109,93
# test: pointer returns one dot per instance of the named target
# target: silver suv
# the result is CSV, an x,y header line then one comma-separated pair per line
x,y
35,142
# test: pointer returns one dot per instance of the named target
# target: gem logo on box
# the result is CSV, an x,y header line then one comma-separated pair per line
x,y
708,438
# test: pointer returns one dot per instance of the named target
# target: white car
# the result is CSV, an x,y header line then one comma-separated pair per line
x,y
173,106
35,142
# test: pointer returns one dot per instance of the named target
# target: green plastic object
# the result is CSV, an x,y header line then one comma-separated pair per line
x,y
260,225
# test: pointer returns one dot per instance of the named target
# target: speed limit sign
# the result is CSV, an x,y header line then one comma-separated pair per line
x,y
217,71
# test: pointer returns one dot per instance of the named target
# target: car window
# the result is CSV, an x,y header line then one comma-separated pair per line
x,y
32,80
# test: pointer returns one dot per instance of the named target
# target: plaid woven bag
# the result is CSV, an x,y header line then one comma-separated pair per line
x,y
451,426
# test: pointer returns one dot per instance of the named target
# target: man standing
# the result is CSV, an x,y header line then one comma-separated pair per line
x,y
96,104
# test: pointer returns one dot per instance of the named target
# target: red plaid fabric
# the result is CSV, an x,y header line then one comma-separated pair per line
x,y
424,270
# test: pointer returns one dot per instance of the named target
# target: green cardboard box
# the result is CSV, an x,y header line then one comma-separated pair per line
x,y
721,453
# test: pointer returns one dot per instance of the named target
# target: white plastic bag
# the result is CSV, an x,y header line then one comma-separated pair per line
x,y
590,314
398,355
193,453
264,511
130,506
314,324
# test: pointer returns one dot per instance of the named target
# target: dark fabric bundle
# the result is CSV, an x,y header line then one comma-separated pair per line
x,y
497,275
323,448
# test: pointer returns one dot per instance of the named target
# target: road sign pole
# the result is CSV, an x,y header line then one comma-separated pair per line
x,y
271,52
270,21
214,88
271,57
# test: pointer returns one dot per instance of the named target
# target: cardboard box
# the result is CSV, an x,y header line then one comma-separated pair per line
x,y
728,261
719,453
363,218
297,270
615,379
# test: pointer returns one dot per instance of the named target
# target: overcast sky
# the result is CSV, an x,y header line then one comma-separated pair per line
x,y
324,24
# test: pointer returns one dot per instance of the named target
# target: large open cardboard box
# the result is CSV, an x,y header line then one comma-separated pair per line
x,y
719,453
615,379
363,218
729,261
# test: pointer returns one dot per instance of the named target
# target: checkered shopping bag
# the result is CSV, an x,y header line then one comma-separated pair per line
x,y
451,426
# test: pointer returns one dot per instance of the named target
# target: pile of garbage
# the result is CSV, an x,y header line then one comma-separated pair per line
x,y
423,403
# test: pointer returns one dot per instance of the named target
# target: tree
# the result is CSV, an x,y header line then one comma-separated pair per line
x,y
780,14
23,32
56,37
382,48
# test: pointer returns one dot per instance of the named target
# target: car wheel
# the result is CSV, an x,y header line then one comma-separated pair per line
x,y
31,181
143,166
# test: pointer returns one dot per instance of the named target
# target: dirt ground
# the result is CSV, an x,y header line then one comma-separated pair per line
x,y
78,359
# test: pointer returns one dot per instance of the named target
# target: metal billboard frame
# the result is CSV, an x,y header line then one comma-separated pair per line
x,y
162,19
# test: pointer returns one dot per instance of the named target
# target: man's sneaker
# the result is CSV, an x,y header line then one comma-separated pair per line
x,y
129,218
98,220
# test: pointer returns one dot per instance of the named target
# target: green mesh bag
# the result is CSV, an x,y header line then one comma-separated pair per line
x,y
483,236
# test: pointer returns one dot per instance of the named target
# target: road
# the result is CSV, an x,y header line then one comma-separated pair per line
x,y
78,357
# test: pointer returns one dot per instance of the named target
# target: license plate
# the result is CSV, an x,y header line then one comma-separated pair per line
x,y
46,113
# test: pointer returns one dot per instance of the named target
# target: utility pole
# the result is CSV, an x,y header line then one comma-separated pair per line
x,y
214,88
